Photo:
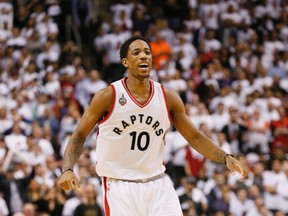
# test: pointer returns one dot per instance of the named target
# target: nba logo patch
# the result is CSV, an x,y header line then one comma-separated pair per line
x,y
122,100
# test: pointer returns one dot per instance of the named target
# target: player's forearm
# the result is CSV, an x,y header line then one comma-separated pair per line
x,y
208,148
72,152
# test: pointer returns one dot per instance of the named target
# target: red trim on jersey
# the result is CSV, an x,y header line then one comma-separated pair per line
x,y
106,204
166,102
112,106
133,99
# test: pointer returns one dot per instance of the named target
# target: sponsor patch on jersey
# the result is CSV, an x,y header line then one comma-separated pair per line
x,y
122,100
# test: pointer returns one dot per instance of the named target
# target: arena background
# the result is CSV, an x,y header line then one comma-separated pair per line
x,y
227,59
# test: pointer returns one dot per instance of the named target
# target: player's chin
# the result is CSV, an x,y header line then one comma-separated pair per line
x,y
144,74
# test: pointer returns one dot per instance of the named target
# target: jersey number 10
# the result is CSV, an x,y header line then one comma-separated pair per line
x,y
142,140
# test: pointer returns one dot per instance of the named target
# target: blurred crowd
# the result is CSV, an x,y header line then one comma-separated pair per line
x,y
227,59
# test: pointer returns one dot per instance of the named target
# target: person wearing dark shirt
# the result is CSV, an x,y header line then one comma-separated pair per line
x,y
89,205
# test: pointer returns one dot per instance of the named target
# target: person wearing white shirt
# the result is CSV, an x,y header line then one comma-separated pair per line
x,y
71,203
220,117
42,177
178,149
177,83
45,144
52,85
94,83
46,26
16,40
194,22
3,207
282,189
24,109
210,11
271,178
202,117
16,140
188,189
188,50
258,132
5,122
241,204
113,40
231,14
211,43
223,144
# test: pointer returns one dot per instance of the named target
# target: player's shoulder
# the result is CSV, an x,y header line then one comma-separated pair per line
x,y
103,99
105,94
169,92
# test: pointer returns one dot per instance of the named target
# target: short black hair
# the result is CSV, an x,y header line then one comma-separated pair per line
x,y
125,46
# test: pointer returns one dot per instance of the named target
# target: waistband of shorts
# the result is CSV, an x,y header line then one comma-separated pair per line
x,y
144,180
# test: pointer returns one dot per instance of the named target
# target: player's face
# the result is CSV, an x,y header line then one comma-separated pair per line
x,y
139,59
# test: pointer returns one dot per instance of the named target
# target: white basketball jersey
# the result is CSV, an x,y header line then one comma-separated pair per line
x,y
130,141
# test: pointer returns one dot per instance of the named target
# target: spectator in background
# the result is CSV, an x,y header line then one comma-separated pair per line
x,y
220,117
72,203
124,21
100,48
161,51
258,133
34,192
114,69
5,121
14,189
187,52
189,191
271,179
88,86
194,162
82,14
223,144
52,202
16,140
69,121
29,210
89,202
219,195
242,204
3,206
282,187
235,132
280,130
39,139
140,20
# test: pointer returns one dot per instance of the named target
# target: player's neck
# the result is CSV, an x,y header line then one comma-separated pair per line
x,y
139,89
138,86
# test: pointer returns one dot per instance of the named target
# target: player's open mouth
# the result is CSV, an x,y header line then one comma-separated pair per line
x,y
145,66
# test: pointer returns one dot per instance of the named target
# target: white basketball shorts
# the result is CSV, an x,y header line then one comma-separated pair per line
x,y
152,198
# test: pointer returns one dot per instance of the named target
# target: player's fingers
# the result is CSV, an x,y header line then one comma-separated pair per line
x,y
67,185
64,185
242,171
231,167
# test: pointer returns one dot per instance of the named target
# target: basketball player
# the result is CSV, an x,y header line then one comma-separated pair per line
x,y
133,115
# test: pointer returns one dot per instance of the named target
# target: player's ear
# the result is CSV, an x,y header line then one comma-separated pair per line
x,y
125,62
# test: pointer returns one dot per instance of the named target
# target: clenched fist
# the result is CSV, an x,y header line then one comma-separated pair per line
x,y
68,180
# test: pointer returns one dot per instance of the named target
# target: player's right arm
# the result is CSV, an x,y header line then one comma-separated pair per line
x,y
99,107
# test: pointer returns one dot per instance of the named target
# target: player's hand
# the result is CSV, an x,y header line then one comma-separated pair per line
x,y
69,181
236,166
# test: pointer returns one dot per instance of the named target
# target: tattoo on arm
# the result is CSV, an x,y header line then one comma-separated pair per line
x,y
219,156
72,152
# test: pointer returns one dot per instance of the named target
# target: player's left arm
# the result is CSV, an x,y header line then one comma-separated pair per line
x,y
196,138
